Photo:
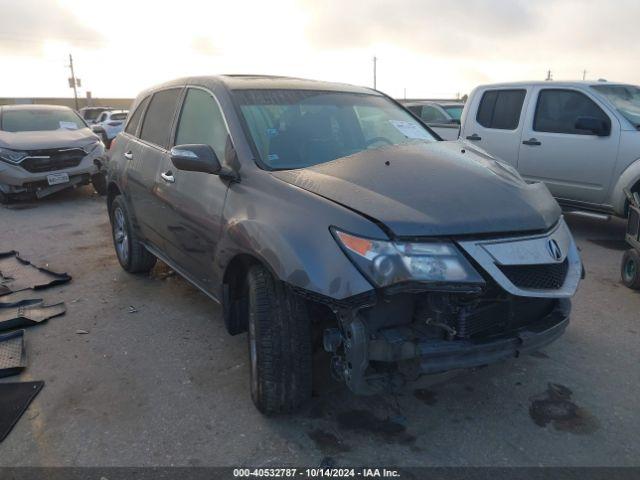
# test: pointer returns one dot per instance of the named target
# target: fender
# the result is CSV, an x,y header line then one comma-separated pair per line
x,y
630,176
314,263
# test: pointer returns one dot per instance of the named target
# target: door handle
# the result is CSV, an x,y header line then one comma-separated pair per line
x,y
532,141
128,155
474,137
168,176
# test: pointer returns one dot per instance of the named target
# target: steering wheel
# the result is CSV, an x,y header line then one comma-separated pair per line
x,y
373,140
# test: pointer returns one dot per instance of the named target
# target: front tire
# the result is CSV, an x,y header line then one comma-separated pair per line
x,y
279,344
99,183
630,269
132,255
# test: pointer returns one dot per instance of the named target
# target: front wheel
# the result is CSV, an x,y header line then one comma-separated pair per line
x,y
279,344
99,183
630,269
132,255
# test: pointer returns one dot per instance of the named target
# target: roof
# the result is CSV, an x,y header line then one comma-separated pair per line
x,y
552,83
31,106
265,82
442,103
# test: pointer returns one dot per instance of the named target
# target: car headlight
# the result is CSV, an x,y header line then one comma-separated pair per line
x,y
386,263
12,156
93,146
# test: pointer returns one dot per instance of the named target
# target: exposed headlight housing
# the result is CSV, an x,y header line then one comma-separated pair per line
x,y
12,156
386,263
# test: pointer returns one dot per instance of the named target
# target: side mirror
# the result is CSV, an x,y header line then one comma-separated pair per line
x,y
596,126
195,158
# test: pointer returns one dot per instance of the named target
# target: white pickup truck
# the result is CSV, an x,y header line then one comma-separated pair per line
x,y
582,139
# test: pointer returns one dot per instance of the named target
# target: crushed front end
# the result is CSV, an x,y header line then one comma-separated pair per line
x,y
457,304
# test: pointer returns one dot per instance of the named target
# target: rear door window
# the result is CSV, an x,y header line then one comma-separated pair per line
x,y
156,126
201,122
134,121
500,109
558,110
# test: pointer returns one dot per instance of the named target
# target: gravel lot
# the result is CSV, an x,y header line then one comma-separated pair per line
x,y
167,386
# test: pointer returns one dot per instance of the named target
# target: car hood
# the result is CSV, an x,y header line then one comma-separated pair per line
x,y
47,139
431,189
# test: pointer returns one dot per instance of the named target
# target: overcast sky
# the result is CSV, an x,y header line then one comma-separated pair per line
x,y
430,48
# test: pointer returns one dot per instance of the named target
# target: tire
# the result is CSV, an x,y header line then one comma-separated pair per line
x,y
99,183
279,344
630,269
132,255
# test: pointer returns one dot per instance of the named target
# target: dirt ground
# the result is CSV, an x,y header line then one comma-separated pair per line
x,y
157,381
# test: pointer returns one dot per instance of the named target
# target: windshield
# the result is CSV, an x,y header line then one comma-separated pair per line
x,y
299,128
454,111
626,99
92,113
39,120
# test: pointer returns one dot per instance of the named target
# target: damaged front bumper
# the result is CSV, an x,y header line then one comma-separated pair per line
x,y
374,362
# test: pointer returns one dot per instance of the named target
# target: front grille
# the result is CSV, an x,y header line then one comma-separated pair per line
x,y
52,159
549,276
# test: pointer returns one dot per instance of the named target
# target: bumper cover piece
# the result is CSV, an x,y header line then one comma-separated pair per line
x,y
18,274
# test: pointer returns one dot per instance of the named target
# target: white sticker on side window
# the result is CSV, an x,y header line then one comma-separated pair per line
x,y
410,129
69,125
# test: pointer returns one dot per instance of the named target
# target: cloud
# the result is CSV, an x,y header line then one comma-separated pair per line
x,y
26,24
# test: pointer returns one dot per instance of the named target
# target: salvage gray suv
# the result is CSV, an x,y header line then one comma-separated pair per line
x,y
311,208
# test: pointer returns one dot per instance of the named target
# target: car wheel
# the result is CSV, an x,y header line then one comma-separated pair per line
x,y
4,198
99,183
630,269
279,344
132,255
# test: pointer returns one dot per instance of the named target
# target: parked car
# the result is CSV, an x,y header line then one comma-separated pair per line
x,y
45,149
443,117
309,207
581,139
109,124
91,114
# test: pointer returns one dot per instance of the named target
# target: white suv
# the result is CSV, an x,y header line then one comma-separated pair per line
x,y
582,139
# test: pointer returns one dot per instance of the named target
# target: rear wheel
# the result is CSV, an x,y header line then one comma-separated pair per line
x,y
132,255
279,344
630,269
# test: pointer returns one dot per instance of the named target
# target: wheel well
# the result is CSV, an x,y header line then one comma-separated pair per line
x,y
634,188
112,192
234,294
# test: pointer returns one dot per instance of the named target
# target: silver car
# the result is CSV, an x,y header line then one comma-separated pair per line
x,y
45,149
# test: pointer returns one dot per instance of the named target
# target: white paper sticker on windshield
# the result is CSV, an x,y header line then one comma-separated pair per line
x,y
69,125
410,129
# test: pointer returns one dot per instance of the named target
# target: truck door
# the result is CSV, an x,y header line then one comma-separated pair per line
x,y
493,122
576,164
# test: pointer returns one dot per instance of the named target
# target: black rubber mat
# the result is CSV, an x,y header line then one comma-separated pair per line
x,y
17,274
12,354
27,313
14,400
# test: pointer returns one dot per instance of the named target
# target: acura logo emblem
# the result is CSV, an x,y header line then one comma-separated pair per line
x,y
554,249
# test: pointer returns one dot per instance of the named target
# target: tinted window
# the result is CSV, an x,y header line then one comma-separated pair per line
x,y
558,110
156,126
454,112
118,116
134,121
501,109
201,122
432,114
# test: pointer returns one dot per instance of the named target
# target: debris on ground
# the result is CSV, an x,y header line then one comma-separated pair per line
x,y
17,274
27,313
14,400
12,354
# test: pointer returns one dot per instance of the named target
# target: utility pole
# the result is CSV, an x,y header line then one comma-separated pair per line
x,y
73,82
375,61
549,77
405,93
584,75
